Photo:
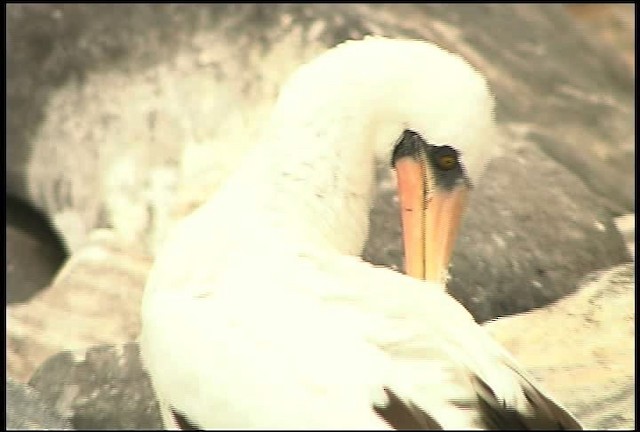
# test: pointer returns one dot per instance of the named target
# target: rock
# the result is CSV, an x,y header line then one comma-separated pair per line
x,y
103,387
26,410
612,23
95,299
582,348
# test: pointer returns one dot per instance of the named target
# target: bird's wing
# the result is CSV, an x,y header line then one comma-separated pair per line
x,y
358,347
447,370
247,358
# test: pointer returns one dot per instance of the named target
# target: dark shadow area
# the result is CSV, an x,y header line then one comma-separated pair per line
x,y
35,252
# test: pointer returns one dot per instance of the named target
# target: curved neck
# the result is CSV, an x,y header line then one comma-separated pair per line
x,y
310,180
317,181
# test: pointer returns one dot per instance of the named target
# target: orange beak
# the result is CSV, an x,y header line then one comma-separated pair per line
x,y
431,215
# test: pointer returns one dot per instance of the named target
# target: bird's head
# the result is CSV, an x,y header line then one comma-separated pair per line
x,y
437,127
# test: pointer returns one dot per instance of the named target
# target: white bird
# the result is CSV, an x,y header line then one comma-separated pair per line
x,y
258,312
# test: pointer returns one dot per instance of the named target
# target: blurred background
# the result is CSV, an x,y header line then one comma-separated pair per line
x,y
121,119
613,23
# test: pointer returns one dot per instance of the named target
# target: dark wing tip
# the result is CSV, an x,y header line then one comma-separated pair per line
x,y
400,415
182,421
496,414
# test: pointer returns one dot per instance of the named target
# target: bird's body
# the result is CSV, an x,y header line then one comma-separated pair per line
x,y
258,312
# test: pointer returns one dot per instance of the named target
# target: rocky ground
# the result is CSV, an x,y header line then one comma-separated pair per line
x,y
110,136
581,348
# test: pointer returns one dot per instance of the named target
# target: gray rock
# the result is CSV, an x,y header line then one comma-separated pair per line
x,y
105,124
26,410
104,388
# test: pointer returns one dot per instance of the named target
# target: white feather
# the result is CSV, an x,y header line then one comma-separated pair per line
x,y
257,314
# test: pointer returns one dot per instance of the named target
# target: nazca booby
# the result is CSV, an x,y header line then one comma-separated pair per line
x,y
258,312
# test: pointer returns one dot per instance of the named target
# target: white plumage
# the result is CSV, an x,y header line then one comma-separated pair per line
x,y
258,313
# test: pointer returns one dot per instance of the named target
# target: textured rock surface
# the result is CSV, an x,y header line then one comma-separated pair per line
x,y
582,348
26,410
612,23
103,387
95,299
112,128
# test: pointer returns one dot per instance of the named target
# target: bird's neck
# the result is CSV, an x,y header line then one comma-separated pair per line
x,y
315,185
311,178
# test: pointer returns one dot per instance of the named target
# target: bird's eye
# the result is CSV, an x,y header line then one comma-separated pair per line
x,y
447,162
